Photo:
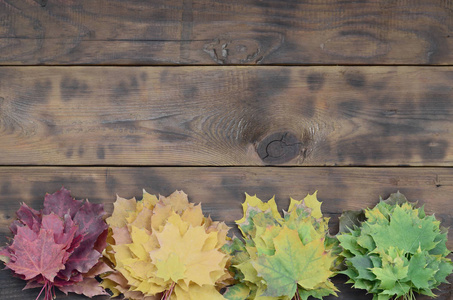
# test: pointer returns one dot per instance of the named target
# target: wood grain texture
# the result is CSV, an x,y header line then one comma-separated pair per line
x,y
222,191
311,116
226,32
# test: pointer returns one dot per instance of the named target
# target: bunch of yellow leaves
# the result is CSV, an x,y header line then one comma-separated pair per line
x,y
162,248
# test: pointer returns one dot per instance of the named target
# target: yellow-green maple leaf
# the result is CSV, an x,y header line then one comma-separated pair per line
x,y
294,264
311,202
280,256
253,206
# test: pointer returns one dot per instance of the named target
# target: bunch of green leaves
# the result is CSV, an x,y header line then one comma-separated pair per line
x,y
285,258
394,250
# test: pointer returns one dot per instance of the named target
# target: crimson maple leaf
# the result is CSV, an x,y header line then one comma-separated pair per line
x,y
58,246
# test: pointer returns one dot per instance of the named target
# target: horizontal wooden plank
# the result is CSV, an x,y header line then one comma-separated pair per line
x,y
221,191
226,32
314,116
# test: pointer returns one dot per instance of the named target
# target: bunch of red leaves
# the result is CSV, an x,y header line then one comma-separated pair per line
x,y
58,246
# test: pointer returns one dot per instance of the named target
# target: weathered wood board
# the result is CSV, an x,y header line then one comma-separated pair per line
x,y
226,32
129,94
223,190
312,116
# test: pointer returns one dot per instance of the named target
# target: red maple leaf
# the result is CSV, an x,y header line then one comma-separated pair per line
x,y
36,254
58,246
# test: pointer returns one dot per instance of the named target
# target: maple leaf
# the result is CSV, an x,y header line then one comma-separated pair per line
x,y
59,245
238,291
293,263
37,254
89,287
61,203
406,232
395,250
91,225
282,257
164,247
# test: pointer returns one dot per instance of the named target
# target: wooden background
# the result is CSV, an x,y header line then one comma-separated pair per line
x,y
217,98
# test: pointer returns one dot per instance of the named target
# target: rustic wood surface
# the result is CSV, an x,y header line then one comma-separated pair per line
x,y
314,116
222,192
108,97
226,32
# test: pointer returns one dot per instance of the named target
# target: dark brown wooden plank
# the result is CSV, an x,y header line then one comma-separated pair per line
x,y
226,32
221,191
315,116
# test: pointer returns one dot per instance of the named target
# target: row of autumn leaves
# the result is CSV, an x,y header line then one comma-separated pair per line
x,y
162,248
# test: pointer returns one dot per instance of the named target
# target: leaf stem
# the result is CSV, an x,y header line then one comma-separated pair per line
x,y
49,291
43,288
168,292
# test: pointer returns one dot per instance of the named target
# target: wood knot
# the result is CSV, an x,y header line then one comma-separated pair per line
x,y
279,148
242,47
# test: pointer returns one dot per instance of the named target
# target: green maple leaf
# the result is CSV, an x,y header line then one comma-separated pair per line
x,y
349,243
390,275
406,248
418,270
445,267
405,232
363,264
293,263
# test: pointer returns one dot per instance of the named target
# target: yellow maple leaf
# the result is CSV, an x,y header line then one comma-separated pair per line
x,y
178,201
205,292
121,210
166,247
199,260
149,201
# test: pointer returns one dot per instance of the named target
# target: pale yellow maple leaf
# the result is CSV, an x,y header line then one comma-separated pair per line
x,y
196,292
121,210
193,215
163,246
198,258
177,200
